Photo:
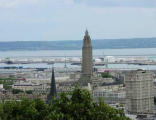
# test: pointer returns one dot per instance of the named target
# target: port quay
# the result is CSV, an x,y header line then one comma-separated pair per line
x,y
105,58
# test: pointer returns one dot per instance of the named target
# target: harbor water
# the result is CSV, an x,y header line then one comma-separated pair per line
x,y
149,53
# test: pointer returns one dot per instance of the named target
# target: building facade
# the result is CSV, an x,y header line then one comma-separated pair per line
x,y
139,91
109,97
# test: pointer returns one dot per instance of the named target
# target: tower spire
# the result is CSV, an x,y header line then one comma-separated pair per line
x,y
52,87
86,33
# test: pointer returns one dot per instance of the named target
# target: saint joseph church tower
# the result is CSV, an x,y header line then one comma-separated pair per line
x,y
87,63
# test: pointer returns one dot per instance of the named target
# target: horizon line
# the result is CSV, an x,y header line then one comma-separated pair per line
x,y
80,39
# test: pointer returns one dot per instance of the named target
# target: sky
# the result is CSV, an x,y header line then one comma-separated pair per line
x,y
53,20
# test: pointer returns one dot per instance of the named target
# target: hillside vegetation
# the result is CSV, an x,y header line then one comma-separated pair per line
x,y
77,105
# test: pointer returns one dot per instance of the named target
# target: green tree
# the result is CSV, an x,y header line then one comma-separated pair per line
x,y
77,105
106,75
7,83
29,91
17,91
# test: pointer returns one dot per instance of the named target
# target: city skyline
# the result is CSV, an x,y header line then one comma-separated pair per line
x,y
53,20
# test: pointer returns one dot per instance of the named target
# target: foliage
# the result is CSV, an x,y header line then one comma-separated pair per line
x,y
17,91
6,79
106,75
77,105
7,82
23,110
29,91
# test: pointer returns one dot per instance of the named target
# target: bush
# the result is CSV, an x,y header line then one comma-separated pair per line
x,y
106,75
7,82
17,91
29,91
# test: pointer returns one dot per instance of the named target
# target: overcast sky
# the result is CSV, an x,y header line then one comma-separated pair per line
x,y
34,20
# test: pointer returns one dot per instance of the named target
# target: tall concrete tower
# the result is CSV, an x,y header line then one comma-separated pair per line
x,y
139,91
87,64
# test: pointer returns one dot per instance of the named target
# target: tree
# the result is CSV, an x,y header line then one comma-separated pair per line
x,y
29,91
106,75
7,83
77,105
17,91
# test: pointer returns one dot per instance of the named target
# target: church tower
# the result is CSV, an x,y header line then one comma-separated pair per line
x,y
87,63
52,87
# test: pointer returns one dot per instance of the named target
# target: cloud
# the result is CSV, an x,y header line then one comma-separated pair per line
x,y
118,3
66,19
97,3
15,3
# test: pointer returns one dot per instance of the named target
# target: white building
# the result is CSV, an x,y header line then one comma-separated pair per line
x,y
30,86
109,97
1,86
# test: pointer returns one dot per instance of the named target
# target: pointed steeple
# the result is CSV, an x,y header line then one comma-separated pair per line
x,y
52,87
86,33
86,40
